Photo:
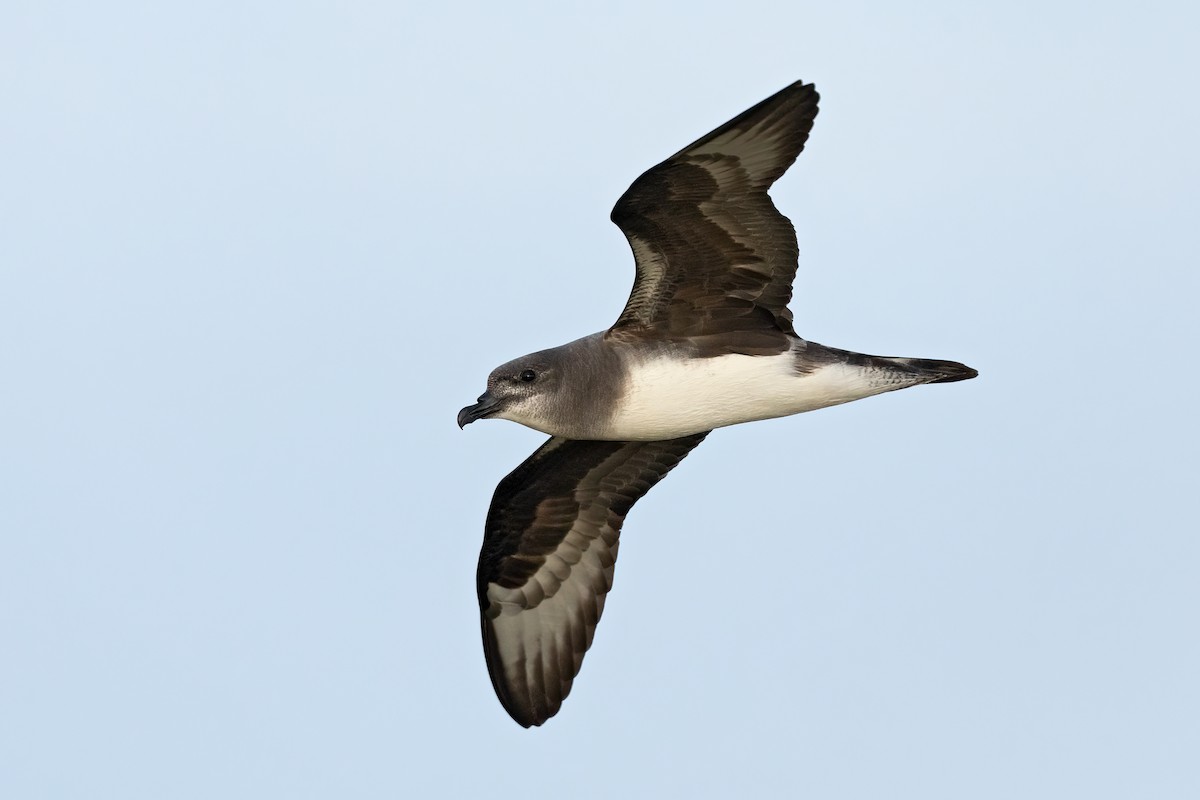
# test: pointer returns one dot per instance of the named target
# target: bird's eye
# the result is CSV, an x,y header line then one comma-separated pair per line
x,y
528,376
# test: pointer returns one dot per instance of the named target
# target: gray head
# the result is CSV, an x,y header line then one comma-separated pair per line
x,y
524,390
561,391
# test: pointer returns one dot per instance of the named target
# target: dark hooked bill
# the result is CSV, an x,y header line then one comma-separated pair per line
x,y
486,406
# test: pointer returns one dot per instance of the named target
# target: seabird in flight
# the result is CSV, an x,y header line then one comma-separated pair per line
x,y
705,341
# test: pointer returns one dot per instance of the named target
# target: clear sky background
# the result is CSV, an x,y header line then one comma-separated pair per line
x,y
255,256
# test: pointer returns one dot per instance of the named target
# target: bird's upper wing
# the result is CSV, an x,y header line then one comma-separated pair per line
x,y
715,258
549,549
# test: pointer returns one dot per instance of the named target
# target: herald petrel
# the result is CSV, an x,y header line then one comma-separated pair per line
x,y
705,341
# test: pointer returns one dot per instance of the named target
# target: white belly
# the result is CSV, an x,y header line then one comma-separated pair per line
x,y
669,398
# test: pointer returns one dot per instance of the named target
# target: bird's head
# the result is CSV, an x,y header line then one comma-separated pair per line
x,y
523,390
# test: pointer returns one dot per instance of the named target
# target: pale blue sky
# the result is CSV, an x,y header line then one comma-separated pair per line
x,y
254,258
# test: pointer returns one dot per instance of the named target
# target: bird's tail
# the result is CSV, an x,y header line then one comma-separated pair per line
x,y
932,370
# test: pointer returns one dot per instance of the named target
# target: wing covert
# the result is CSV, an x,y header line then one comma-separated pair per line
x,y
715,258
549,551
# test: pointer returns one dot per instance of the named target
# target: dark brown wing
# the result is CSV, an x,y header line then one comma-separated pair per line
x,y
715,259
549,550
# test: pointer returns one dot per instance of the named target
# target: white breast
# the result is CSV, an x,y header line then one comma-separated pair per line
x,y
668,398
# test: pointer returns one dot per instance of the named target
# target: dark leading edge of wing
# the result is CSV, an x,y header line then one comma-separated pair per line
x,y
549,550
715,259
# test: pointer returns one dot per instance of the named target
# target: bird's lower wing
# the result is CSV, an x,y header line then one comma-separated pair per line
x,y
549,550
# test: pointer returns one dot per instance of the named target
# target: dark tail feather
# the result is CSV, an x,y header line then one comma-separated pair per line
x,y
927,370
938,371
